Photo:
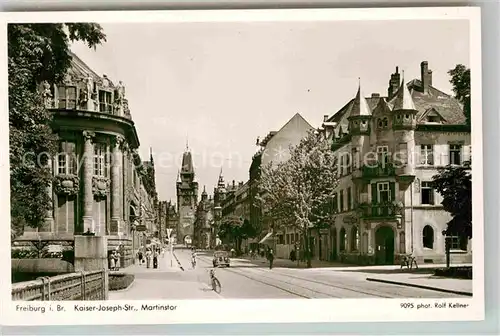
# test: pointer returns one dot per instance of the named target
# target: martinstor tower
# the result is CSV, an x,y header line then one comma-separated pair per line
x,y
187,199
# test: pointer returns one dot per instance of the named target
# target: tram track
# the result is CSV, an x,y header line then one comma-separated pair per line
x,y
280,283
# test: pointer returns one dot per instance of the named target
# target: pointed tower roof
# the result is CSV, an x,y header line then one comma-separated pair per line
x,y
221,183
187,163
179,176
359,105
403,99
204,190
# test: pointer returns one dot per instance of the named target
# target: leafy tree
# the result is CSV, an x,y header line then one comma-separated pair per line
x,y
460,79
37,53
235,229
455,185
297,193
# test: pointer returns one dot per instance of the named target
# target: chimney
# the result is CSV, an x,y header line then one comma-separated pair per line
x,y
375,95
394,83
325,117
425,76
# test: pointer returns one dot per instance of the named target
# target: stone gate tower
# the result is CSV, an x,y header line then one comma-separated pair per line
x,y
187,199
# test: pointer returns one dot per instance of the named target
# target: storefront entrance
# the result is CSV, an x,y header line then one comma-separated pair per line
x,y
384,245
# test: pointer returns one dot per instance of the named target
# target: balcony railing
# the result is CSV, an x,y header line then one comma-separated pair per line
x,y
379,169
379,210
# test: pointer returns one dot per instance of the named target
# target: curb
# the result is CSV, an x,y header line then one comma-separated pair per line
x,y
420,286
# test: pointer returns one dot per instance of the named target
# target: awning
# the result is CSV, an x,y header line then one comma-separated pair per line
x,y
266,237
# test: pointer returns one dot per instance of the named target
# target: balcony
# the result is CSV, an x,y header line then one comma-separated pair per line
x,y
379,210
378,169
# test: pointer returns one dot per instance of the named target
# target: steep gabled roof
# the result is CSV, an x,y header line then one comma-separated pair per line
x,y
187,163
80,69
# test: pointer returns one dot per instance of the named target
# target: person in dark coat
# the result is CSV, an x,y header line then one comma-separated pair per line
x,y
270,257
155,258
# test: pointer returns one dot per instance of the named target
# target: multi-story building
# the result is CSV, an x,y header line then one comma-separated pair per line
x,y
187,199
389,149
204,222
98,176
273,148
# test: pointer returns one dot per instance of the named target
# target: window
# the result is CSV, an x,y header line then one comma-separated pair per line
x,y
292,238
386,122
66,158
384,193
354,239
65,214
99,159
335,203
349,199
428,237
67,97
433,119
426,155
105,104
355,158
348,163
458,243
342,165
343,239
383,154
427,192
455,154
383,123
341,201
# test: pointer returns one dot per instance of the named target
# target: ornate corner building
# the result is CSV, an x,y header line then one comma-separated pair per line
x,y
389,149
101,186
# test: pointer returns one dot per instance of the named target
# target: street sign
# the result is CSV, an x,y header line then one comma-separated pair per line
x,y
140,228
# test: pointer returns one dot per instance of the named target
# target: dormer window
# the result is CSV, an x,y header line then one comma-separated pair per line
x,y
67,97
105,101
433,119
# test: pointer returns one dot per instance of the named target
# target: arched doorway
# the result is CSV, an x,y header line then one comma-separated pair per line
x,y
334,244
384,242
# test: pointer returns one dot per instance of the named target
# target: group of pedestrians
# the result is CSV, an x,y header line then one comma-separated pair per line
x,y
114,260
149,256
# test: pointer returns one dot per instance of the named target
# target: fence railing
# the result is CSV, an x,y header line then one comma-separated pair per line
x,y
82,286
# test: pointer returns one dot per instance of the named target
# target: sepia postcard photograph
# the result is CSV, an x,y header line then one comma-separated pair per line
x,y
226,166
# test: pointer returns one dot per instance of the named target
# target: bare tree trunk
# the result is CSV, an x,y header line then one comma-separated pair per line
x,y
307,247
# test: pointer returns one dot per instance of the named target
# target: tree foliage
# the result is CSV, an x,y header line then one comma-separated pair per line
x,y
236,229
455,185
460,79
37,53
298,193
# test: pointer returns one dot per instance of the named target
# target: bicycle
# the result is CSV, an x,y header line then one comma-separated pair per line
x,y
216,286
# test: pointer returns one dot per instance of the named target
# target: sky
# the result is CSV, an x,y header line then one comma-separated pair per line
x,y
216,87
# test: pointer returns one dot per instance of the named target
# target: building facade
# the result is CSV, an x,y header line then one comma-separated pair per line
x,y
187,199
99,178
204,222
273,148
389,149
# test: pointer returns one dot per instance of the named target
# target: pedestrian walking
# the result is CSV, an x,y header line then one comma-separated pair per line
x,y
155,259
111,258
148,258
139,255
117,260
270,257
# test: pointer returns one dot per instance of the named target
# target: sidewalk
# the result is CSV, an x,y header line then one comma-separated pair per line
x,y
164,283
278,262
426,281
